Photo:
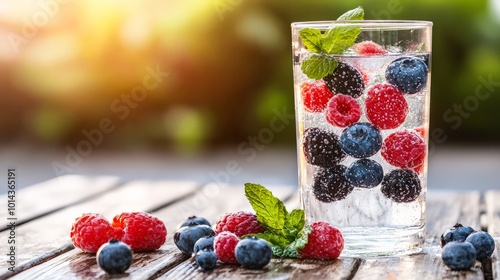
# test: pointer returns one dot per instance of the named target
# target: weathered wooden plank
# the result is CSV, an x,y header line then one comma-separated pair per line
x,y
54,194
444,209
492,199
148,264
51,232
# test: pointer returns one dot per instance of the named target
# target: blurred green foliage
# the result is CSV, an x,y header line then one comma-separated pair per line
x,y
229,69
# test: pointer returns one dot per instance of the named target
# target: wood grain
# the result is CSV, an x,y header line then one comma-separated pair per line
x,y
55,194
51,232
492,208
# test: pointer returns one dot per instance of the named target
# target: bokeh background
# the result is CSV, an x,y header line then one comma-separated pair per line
x,y
217,72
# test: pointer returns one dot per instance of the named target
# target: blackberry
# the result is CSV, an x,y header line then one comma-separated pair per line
x,y
401,185
345,79
186,237
330,184
365,173
253,252
408,74
321,148
457,233
361,140
114,257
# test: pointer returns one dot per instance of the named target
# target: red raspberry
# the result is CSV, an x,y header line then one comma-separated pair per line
x,y
386,106
90,231
240,223
342,110
140,230
368,48
324,242
315,95
224,244
405,149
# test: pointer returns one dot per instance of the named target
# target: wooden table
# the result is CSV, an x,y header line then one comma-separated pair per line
x,y
46,211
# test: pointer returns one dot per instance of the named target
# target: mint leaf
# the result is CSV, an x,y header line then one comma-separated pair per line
x,y
291,251
354,14
339,39
270,210
317,66
296,219
311,38
274,240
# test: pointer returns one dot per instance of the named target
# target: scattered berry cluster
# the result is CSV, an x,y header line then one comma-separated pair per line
x,y
462,246
234,241
336,96
114,242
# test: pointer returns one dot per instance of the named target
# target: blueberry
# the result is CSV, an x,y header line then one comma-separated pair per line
x,y
186,237
322,148
364,173
408,74
459,255
330,184
206,242
456,233
253,252
345,79
206,259
114,257
194,220
401,185
483,243
361,140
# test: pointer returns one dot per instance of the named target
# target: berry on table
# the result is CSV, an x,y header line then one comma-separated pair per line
x,y
186,237
194,220
365,173
401,185
324,242
114,257
345,79
253,252
240,223
342,110
459,255
206,259
368,48
408,74
330,184
386,107
90,231
405,149
361,140
224,245
457,233
204,243
483,243
321,147
140,230
315,96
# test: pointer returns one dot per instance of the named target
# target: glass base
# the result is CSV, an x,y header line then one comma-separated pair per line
x,y
364,242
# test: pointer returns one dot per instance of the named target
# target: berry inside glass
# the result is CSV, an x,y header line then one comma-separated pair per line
x,y
362,91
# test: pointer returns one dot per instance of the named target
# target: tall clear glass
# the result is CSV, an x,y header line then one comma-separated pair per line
x,y
362,132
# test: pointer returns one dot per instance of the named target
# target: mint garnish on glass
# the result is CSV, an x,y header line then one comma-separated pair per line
x,y
285,231
335,40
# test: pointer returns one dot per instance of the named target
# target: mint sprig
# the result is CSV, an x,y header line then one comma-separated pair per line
x,y
335,40
284,230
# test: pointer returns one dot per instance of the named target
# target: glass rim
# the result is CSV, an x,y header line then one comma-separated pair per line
x,y
398,24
